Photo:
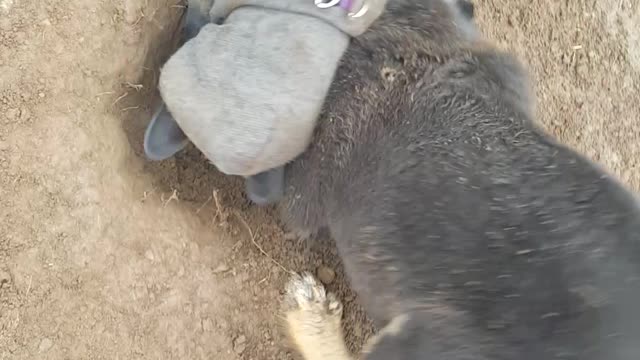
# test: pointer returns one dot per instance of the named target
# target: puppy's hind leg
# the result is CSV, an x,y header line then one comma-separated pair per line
x,y
313,320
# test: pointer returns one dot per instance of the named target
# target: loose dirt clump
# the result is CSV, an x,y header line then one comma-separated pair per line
x,y
104,255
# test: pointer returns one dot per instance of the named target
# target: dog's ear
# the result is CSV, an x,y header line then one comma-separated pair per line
x,y
163,137
266,187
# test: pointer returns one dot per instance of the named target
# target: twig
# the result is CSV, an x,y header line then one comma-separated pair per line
x,y
203,205
219,213
140,17
136,87
120,98
145,194
253,240
29,286
266,278
174,196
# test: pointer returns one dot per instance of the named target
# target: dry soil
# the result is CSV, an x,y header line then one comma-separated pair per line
x,y
104,255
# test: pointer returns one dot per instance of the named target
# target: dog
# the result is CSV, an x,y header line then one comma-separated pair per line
x,y
465,229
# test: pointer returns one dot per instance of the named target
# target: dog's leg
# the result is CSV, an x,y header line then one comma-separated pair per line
x,y
313,320
431,334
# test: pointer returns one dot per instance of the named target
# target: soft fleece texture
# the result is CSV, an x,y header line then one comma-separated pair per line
x,y
248,93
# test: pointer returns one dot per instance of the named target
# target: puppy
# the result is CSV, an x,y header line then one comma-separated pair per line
x,y
467,231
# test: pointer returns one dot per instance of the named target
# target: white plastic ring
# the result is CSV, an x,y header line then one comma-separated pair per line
x,y
363,10
323,4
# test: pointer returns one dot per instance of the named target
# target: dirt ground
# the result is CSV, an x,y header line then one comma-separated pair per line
x,y
104,255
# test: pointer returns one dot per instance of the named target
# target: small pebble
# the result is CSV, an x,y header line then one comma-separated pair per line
x,y
207,325
149,255
12,114
5,278
24,114
45,345
222,268
326,275
239,344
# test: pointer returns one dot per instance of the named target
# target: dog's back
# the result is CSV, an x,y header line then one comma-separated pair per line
x,y
452,208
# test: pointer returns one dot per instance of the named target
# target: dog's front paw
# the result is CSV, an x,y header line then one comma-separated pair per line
x,y
313,319
305,294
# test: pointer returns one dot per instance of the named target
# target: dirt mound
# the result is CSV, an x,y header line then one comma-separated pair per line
x,y
105,255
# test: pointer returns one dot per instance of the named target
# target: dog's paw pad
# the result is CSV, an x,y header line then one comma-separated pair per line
x,y
313,319
304,292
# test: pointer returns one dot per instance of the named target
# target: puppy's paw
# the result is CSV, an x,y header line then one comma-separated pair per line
x,y
305,294
313,319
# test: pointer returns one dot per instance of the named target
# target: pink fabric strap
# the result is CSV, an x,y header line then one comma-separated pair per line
x,y
346,4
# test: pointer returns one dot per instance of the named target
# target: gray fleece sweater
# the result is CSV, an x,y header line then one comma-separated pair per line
x,y
248,92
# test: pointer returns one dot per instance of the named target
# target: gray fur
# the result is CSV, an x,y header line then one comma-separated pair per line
x,y
448,203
